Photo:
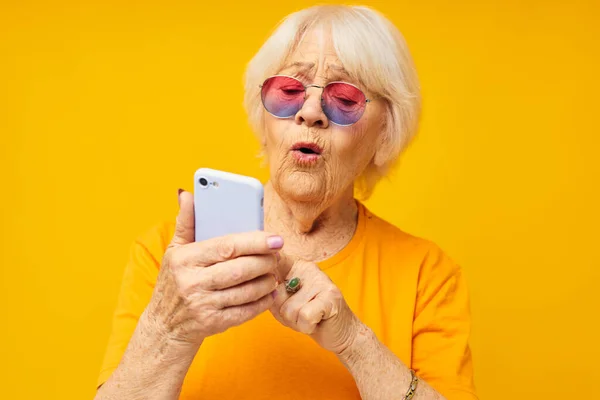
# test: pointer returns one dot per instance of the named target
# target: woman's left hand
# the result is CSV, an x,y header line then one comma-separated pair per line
x,y
317,308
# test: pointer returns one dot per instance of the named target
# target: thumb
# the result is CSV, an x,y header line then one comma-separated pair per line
x,y
184,226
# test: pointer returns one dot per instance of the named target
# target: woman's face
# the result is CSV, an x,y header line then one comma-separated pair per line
x,y
343,152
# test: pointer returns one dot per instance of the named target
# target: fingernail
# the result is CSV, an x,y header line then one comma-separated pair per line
x,y
179,191
275,242
277,282
274,293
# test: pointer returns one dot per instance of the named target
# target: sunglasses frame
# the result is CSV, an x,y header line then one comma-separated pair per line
x,y
367,101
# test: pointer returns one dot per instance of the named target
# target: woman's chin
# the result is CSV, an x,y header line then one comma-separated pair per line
x,y
301,186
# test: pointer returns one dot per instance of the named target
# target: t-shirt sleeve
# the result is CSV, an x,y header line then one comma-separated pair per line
x,y
441,328
137,285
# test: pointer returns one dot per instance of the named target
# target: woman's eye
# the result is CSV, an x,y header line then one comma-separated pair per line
x,y
345,102
291,92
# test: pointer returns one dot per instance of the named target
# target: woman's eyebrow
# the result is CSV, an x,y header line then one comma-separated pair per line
x,y
306,66
338,69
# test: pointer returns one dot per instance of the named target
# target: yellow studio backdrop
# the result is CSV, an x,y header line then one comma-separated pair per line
x,y
106,108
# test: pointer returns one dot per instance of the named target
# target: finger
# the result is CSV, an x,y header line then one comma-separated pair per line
x,y
245,312
215,250
239,270
184,226
291,307
299,269
286,264
280,297
311,314
247,292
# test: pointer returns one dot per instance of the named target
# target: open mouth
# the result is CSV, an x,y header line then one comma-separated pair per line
x,y
307,148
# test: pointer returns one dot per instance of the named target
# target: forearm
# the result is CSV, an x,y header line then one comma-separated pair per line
x,y
378,373
152,367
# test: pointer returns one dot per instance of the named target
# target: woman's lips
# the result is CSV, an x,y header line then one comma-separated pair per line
x,y
305,158
306,153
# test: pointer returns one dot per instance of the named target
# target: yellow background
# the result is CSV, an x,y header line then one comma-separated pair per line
x,y
106,108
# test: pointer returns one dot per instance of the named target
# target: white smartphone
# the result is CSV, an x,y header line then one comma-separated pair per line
x,y
226,203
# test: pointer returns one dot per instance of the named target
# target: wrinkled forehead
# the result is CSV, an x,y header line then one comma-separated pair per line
x,y
315,56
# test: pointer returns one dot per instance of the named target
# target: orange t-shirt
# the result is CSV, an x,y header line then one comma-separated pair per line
x,y
405,289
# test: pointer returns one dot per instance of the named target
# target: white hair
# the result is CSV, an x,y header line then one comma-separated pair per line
x,y
375,55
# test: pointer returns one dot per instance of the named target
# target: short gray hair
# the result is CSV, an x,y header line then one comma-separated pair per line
x,y
375,55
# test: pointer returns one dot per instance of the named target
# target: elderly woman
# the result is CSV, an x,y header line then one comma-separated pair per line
x,y
373,313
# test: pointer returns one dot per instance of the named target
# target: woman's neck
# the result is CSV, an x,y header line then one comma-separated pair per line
x,y
311,231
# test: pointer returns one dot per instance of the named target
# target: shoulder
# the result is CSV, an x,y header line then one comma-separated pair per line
x,y
400,250
391,238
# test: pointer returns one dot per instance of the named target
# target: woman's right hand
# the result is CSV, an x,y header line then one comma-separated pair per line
x,y
204,288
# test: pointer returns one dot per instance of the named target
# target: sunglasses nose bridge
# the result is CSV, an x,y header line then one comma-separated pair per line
x,y
313,86
315,110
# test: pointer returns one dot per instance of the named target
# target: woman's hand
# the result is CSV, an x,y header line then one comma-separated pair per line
x,y
204,288
317,309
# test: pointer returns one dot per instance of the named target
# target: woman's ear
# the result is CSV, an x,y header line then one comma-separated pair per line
x,y
381,154
262,153
384,147
261,132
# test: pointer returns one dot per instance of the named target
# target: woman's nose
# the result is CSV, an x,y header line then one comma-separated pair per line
x,y
311,112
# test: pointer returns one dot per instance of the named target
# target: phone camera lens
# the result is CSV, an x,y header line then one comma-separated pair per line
x,y
203,182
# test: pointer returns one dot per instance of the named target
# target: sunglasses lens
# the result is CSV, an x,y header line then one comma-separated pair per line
x,y
343,104
282,96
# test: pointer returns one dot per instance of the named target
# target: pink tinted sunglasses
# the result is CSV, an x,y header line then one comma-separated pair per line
x,y
342,103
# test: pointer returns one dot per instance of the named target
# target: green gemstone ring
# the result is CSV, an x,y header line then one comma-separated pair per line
x,y
293,285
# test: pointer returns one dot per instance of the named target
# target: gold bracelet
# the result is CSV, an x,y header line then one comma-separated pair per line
x,y
413,386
